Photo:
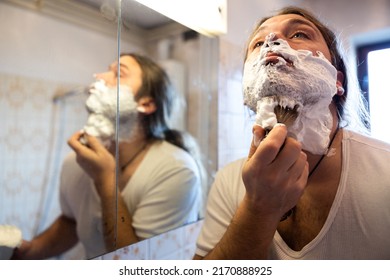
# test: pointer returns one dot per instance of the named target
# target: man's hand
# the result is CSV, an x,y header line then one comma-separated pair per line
x,y
275,173
95,159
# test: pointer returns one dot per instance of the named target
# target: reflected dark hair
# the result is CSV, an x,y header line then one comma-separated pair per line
x,y
355,114
157,85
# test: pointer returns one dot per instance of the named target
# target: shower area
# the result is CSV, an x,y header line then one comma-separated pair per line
x,y
38,117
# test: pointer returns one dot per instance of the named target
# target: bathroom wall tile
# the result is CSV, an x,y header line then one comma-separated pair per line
x,y
166,243
191,232
234,119
231,99
188,252
178,244
138,251
235,135
175,255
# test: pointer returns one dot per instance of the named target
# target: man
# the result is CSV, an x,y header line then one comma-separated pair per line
x,y
311,188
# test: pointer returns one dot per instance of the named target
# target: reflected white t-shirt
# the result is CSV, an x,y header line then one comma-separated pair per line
x,y
163,193
358,224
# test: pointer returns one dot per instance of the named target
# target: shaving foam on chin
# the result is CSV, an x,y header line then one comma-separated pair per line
x,y
299,84
103,108
273,109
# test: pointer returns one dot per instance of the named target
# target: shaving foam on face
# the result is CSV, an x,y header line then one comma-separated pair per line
x,y
297,80
103,107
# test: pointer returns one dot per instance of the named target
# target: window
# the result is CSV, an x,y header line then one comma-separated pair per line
x,y
374,79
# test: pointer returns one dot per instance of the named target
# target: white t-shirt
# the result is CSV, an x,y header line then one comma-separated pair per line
x,y
358,224
163,193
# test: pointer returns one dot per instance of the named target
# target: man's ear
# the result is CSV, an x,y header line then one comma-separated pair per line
x,y
146,105
339,83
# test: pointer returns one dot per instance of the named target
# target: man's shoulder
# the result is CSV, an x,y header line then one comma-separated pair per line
x,y
366,140
70,162
232,167
235,163
164,152
165,157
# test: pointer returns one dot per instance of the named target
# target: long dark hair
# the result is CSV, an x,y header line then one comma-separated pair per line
x,y
351,106
157,85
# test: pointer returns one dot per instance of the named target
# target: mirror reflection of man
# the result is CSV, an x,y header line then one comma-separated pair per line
x,y
156,186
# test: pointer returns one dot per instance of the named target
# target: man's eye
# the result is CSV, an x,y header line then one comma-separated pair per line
x,y
258,44
300,35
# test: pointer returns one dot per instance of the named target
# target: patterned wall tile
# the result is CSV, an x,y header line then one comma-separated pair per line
x,y
178,244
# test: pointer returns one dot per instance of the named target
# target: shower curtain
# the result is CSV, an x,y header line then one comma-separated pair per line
x,y
37,118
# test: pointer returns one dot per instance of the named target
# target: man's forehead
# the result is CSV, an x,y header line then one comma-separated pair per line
x,y
285,20
123,64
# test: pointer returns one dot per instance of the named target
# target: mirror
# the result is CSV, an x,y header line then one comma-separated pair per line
x,y
185,56
50,51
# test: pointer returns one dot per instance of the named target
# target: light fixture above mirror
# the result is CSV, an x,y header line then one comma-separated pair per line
x,y
207,17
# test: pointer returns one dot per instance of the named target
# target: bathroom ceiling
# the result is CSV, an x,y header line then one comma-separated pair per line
x,y
132,13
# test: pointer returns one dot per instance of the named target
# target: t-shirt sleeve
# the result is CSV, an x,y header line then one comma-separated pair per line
x,y
170,199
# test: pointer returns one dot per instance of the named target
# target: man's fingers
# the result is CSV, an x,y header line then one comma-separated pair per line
x,y
93,142
258,136
270,146
88,144
74,141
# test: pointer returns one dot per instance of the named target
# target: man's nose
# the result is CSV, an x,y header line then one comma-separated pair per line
x,y
108,77
271,43
271,40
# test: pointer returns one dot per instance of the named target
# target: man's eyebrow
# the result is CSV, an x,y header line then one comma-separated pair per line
x,y
298,21
123,65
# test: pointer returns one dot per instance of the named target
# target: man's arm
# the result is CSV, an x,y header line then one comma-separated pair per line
x,y
117,221
100,165
274,176
247,237
57,239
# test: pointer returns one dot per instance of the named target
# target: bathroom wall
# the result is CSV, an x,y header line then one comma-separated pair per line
x,y
234,120
178,244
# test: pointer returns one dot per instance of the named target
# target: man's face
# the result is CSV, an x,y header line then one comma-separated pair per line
x,y
102,102
130,74
103,112
299,33
288,66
